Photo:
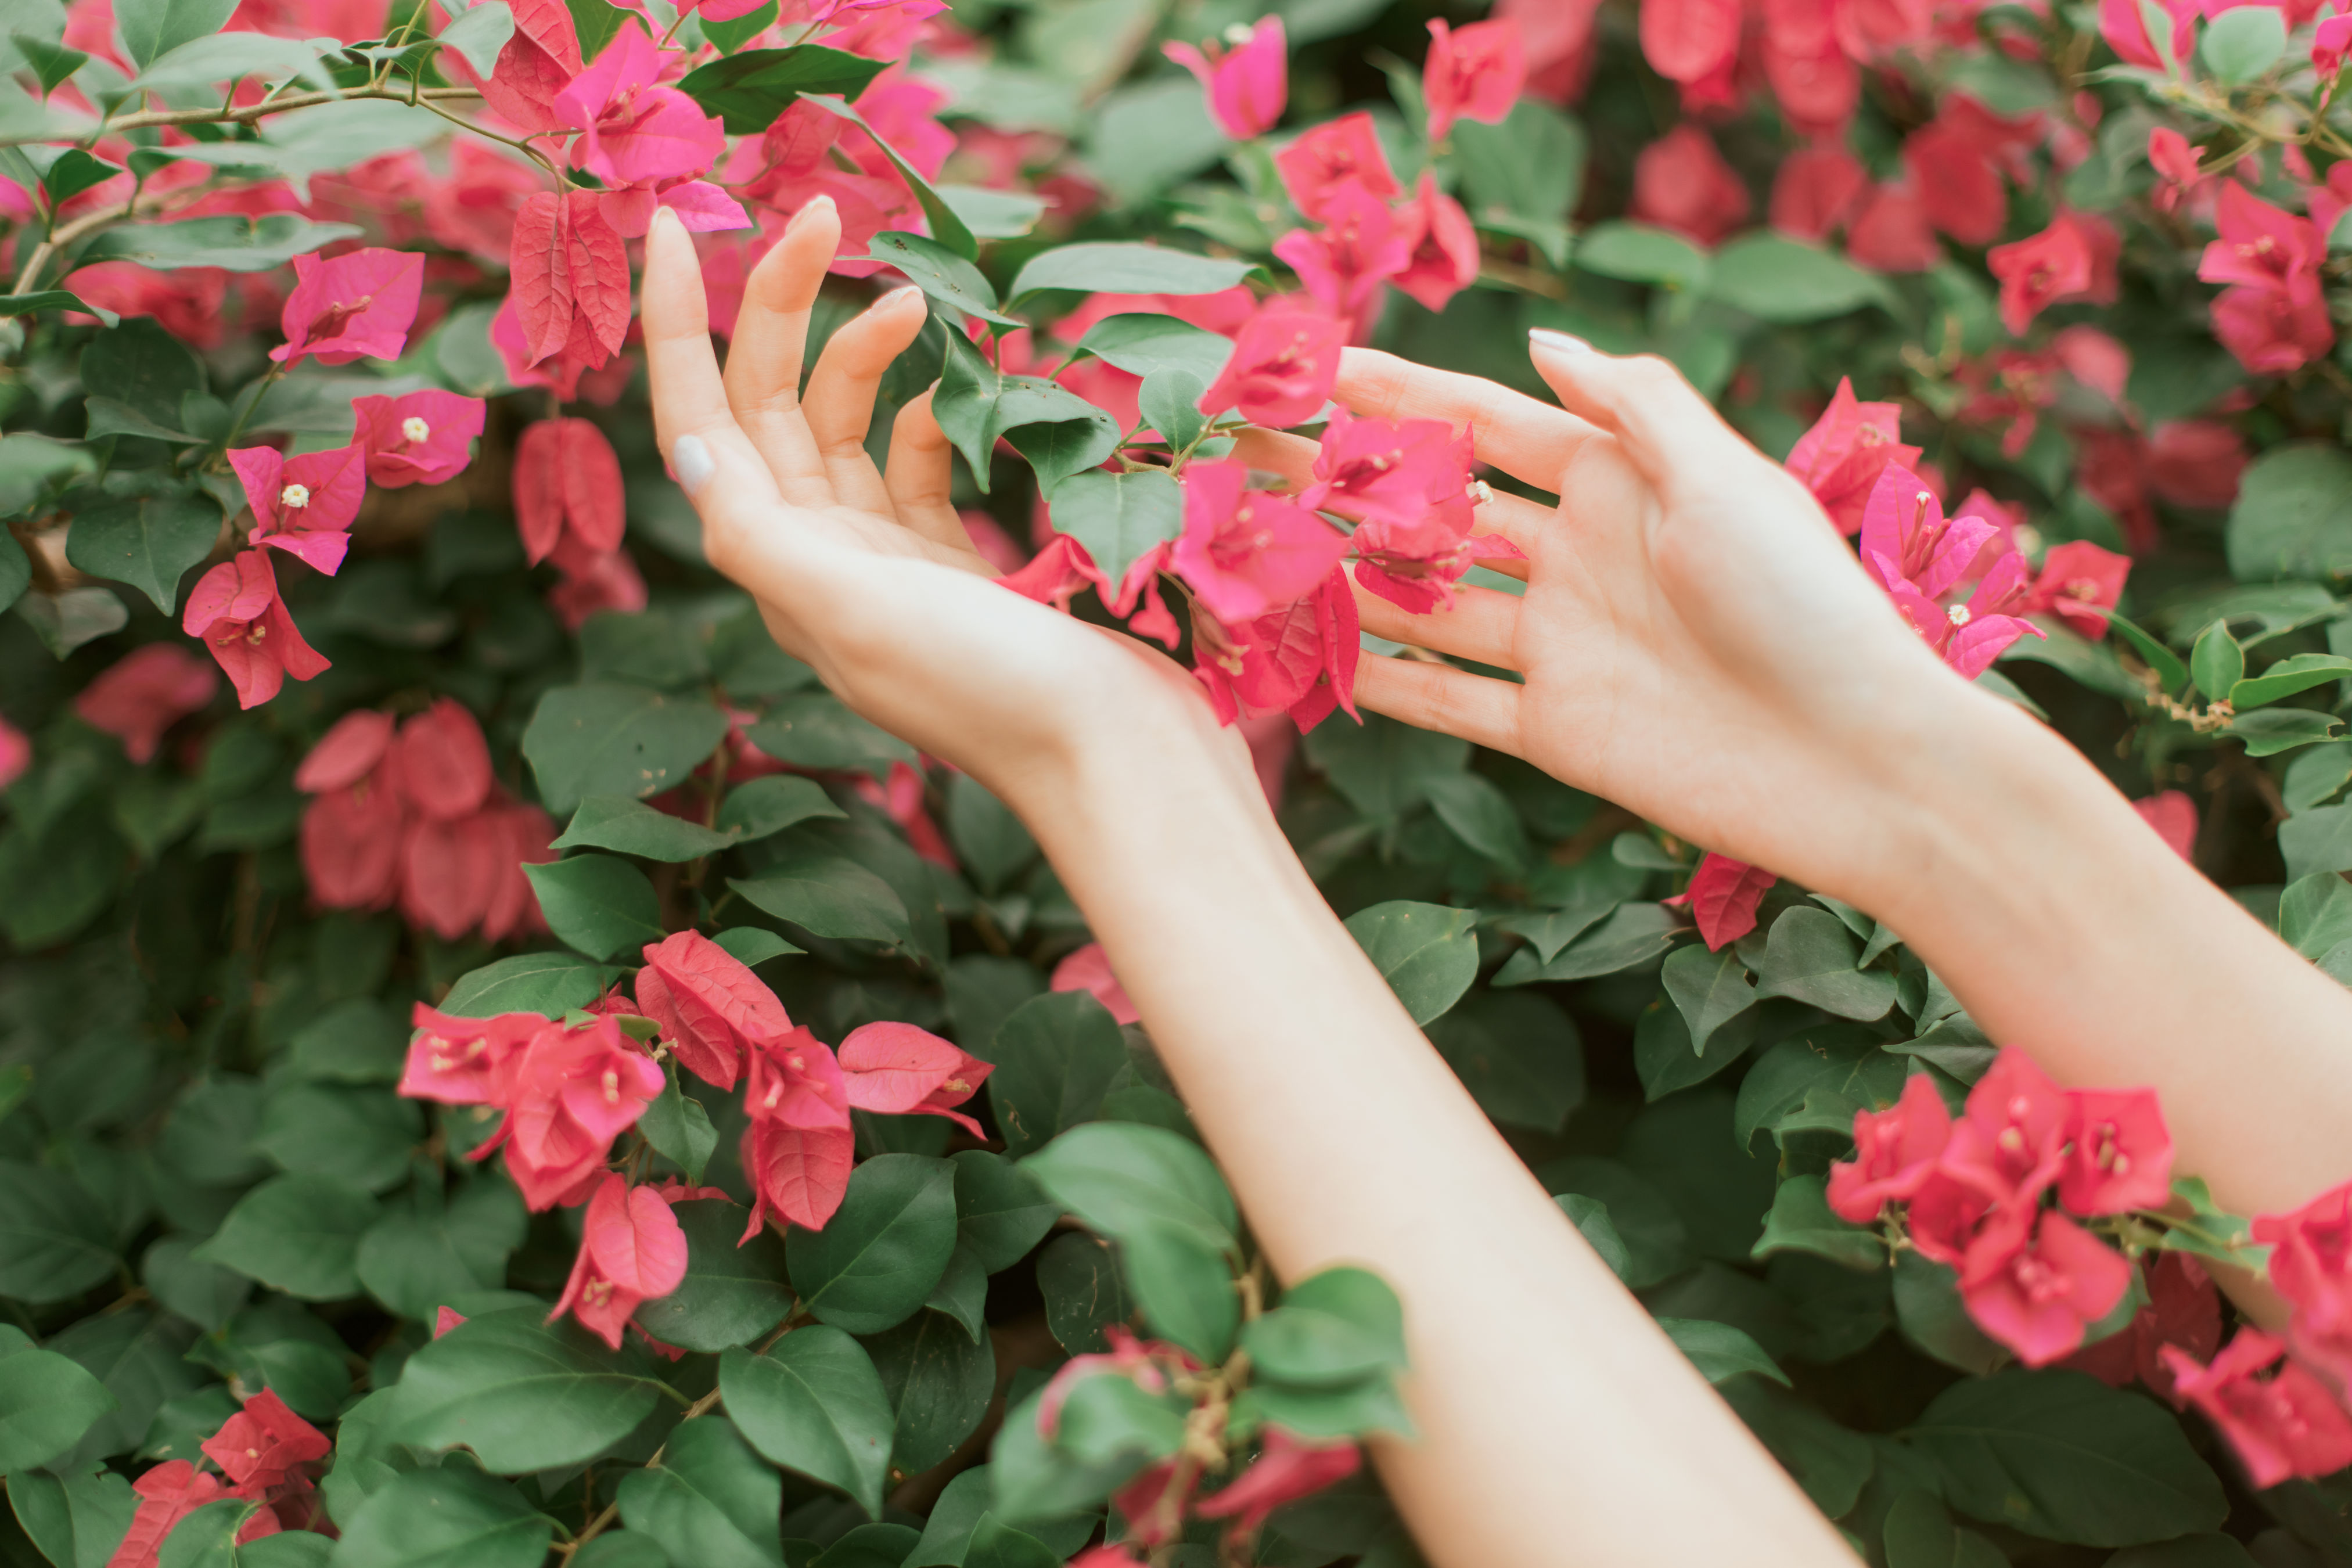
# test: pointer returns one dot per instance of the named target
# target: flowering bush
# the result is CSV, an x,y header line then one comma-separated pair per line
x,y
517,1066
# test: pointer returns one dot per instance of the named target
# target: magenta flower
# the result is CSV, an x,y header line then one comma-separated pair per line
x,y
303,505
1841,457
631,1252
1247,84
424,438
236,612
465,1061
1440,246
898,1070
1297,658
145,693
1894,1153
1905,538
573,1092
1335,153
2036,1296
2042,270
1344,264
1244,551
1389,470
358,306
2288,1425
2119,1155
2011,1145
1283,361
633,131
700,206
1475,73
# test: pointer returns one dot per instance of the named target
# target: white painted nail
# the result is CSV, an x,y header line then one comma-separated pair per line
x,y
1551,338
691,462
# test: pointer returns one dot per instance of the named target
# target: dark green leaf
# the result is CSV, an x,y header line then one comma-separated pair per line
x,y
1779,279
153,27
1829,1462
753,946
2216,664
884,1249
597,23
2270,731
1801,1221
831,895
1631,934
942,273
815,1405
732,1293
1640,253
759,807
549,983
1055,1056
597,904
679,1129
1814,1082
1810,956
1059,450
47,1402
748,90
606,739
814,730
360,1137
946,228
2292,517
1115,267
480,34
1001,1211
55,1240
1084,1293
1719,1350
940,1380
1145,344
523,1393
1426,952
1331,1329
1590,1217
1119,1177
1708,989
296,1234
709,1500
437,1518
1930,1314
1120,518
1170,403
234,244
2298,672
419,1262
1518,1053
54,299
630,826
53,64
1182,1280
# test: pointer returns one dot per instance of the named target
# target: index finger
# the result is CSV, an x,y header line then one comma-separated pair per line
x,y
720,470
1529,440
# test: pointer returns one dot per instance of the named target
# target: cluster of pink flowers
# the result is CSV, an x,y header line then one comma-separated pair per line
x,y
1156,1502
142,694
567,1091
568,501
410,811
270,1455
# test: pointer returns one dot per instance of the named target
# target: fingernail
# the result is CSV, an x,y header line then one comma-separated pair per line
x,y
1551,338
807,208
895,295
690,462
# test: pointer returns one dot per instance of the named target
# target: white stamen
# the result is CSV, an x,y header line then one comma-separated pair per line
x,y
294,496
415,429
1958,615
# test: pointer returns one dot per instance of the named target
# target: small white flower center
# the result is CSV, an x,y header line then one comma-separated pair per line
x,y
415,429
294,496
1958,615
1239,33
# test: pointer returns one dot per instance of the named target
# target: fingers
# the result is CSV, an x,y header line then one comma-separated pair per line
x,y
840,403
1529,440
1517,519
1480,625
764,362
1478,708
1671,433
719,468
919,476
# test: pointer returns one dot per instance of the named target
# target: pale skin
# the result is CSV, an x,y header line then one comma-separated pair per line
x,y
1697,645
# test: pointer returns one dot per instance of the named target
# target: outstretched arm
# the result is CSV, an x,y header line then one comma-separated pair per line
x,y
1698,644
1557,1421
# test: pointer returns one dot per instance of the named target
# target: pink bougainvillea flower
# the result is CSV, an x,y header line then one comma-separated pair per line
x,y
593,581
145,693
2196,463
1105,1556
1284,363
444,1319
1336,154
632,129
793,1079
1088,970
702,207
472,208
2124,25
631,1252
2041,272
236,610
1839,460
2174,158
2174,817
16,754
167,1493
1958,182
2282,1426
1681,183
2080,583
2011,1144
1472,73
444,763
2311,1265
1890,232
1440,246
2119,1155
2331,42
1817,190
1153,1503
260,1444
569,275
898,1070
533,66
525,833
2183,1309
574,1090
1894,1153
709,1004
567,484
2096,360
1905,538
303,505
447,869
1247,77
351,838
1723,895
2258,243
1689,40
1286,1468
1344,263
465,1061
358,305
1297,658
797,1173
1246,551
424,438
2036,1292
1391,470
2273,331
1144,1362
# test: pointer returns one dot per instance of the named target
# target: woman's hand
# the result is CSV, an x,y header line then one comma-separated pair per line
x,y
1697,644
868,575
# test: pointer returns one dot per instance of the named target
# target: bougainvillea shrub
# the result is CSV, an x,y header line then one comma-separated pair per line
x,y
500,1063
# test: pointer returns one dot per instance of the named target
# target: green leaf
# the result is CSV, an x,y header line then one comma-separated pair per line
x,y
943,274
1810,956
1119,1177
946,228
597,904
2241,50
1108,267
1182,1280
2060,1455
732,1293
2297,672
1168,402
1528,169
995,1545
1354,1410
1638,253
234,244
296,1234
754,946
1932,1317
47,1402
1055,1056
54,1239
2210,1231
523,1393
205,1538
1427,952
480,34
1333,1328
679,1129
234,57
1721,1351
1480,814
1060,448
1829,1462
1778,279
876,1260
1631,934
152,27
730,36
632,827
2216,664
830,896
2270,731
994,213
1590,1217
816,729
1816,1082
1001,1211
748,90
74,171
1120,518
940,1380
360,1137
709,1500
54,300
607,739
760,807
1709,989
418,1262
1518,1053
1801,1221
143,368
815,1405
1109,1419
437,1518
2292,517
1143,344
54,65
549,983
1032,1480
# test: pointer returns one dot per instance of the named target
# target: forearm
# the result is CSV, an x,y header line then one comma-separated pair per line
x,y
1557,1423
2068,929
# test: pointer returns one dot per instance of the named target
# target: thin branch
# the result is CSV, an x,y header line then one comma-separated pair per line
x,y
247,114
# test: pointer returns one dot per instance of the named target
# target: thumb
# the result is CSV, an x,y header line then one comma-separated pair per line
x,y
1671,433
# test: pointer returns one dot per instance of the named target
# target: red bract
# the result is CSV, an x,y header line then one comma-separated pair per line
x,y
424,438
532,67
1440,246
1088,970
567,484
2311,1265
2036,1292
1472,73
632,129
1299,659
1839,460
16,754
1143,1362
2287,1426
236,609
1286,1469
1896,1152
2183,1309
2331,42
1681,183
1249,83
303,505
1689,40
1391,470
2275,318
264,1444
1817,190
2079,582
2119,1155
1917,555
2052,266
523,833
447,867
797,1173
2174,817
2174,160
1283,365
570,280
574,1090
1336,154
358,305
472,208
710,1006
898,1070
2196,463
794,1080
444,763
145,693
1958,184
350,838
631,1252
1723,895
167,1494
1890,232
1344,264
2011,1146
1245,552
1154,1501
465,1061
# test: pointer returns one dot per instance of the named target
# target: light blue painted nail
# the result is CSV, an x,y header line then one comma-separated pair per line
x,y
691,461
1551,338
